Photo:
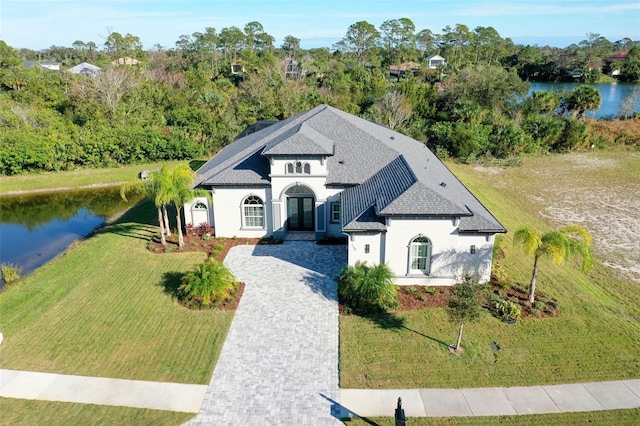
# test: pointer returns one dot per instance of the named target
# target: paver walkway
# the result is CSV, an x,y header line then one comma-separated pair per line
x,y
279,363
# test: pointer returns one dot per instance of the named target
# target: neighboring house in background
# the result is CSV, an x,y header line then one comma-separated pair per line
x,y
435,61
400,70
125,61
328,173
50,65
292,68
614,60
86,68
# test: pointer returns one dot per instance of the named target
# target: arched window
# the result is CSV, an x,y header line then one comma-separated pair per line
x,y
420,255
253,210
199,206
298,168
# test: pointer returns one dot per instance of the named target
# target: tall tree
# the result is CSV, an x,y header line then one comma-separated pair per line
x,y
558,245
153,188
426,42
361,39
181,191
290,45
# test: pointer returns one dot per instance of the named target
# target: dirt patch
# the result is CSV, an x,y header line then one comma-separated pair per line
x,y
609,213
489,170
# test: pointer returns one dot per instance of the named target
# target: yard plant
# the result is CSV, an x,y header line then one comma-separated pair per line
x,y
207,285
558,245
464,305
367,289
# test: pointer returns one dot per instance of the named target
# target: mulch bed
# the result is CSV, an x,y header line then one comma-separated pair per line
x,y
216,248
415,297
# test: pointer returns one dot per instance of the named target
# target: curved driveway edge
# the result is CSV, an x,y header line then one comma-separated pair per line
x,y
279,363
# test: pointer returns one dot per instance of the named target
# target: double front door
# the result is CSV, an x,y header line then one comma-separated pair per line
x,y
300,213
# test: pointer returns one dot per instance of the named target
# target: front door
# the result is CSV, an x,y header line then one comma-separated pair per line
x,y
300,213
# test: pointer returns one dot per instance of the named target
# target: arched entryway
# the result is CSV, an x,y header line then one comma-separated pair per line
x,y
300,208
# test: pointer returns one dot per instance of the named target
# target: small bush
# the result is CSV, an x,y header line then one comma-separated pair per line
x,y
207,285
367,289
508,309
410,290
423,297
430,290
10,273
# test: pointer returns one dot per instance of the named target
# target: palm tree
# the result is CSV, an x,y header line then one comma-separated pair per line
x,y
580,100
150,188
558,245
180,191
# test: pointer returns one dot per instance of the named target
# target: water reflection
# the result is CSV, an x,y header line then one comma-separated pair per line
x,y
35,228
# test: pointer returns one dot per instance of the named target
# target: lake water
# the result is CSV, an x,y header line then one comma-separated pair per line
x,y
36,228
612,95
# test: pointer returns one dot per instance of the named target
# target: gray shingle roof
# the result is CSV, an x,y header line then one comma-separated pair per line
x,y
299,140
390,174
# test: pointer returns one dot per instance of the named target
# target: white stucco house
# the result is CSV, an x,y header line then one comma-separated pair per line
x,y
332,174
435,61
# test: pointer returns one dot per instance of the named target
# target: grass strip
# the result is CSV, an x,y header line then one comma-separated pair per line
x,y
80,178
29,412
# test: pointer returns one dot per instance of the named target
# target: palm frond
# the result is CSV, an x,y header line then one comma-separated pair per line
x,y
527,238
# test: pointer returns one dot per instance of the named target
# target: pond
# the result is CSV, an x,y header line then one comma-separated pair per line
x,y
35,228
613,95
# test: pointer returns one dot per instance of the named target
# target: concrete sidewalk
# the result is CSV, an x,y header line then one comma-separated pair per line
x,y
102,391
594,396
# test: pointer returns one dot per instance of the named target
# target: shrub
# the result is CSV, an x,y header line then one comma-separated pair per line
x,y
410,290
10,272
508,309
207,285
430,290
367,289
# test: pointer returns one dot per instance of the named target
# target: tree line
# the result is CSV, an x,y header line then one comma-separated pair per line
x,y
193,99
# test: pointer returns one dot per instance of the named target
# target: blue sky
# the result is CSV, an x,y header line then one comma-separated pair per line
x,y
38,24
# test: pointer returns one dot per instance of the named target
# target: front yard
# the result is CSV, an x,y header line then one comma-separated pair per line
x,y
595,336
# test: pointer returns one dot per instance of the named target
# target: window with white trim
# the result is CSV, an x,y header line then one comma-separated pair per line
x,y
253,211
420,255
335,212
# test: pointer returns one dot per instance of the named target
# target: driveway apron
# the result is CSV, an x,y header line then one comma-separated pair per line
x,y
279,363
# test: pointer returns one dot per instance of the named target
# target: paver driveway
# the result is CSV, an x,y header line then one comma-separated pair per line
x,y
279,364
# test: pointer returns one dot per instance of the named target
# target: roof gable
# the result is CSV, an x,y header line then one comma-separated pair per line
x,y
301,139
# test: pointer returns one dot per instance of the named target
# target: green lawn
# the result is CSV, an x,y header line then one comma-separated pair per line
x,y
75,178
595,337
103,309
25,412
